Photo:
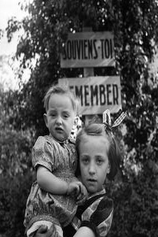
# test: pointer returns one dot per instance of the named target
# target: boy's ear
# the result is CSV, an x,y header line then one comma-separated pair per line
x,y
45,119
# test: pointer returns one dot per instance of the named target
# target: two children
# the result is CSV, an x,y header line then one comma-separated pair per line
x,y
50,202
98,159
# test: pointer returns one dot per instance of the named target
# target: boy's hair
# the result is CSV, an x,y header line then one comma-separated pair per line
x,y
63,90
114,154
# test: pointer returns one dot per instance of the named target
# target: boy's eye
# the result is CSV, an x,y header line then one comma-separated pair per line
x,y
52,114
66,115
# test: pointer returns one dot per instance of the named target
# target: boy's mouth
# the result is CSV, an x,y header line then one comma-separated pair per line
x,y
58,129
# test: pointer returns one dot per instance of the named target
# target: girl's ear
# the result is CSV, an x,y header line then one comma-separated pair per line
x,y
45,119
108,169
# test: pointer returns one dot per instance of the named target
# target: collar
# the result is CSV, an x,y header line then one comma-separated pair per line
x,y
61,143
103,191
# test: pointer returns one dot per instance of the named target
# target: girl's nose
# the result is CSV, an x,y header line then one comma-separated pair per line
x,y
92,168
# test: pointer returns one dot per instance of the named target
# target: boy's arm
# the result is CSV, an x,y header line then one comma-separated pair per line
x,y
83,231
50,183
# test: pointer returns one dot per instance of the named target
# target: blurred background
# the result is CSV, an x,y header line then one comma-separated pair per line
x,y
31,37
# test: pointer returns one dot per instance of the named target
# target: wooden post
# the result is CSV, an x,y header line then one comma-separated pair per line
x,y
87,72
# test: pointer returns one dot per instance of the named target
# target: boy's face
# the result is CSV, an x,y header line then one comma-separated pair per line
x,y
60,116
94,163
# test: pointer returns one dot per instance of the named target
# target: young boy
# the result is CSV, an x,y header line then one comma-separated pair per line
x,y
56,192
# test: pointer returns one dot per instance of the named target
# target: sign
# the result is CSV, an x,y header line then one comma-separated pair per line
x,y
88,49
96,93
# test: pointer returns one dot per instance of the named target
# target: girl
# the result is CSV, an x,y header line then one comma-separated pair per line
x,y
52,199
98,159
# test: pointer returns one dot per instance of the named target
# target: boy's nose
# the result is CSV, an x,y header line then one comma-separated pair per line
x,y
59,120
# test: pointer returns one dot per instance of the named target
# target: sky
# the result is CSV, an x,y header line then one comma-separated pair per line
x,y
8,9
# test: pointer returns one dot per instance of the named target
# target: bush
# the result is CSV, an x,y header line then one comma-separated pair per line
x,y
16,177
13,195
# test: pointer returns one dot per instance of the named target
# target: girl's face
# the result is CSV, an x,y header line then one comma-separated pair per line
x,y
93,161
60,116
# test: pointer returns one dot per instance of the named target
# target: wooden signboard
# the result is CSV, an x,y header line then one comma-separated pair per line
x,y
96,93
88,49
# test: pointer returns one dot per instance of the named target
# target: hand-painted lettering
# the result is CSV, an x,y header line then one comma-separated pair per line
x,y
94,94
106,48
87,49
86,94
108,94
97,95
115,94
102,94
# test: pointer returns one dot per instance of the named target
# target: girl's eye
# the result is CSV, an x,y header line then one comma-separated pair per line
x,y
99,161
85,160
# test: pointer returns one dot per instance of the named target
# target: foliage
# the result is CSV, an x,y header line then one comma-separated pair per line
x,y
15,169
135,27
13,193
136,205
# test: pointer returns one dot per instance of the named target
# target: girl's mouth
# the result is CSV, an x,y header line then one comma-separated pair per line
x,y
92,180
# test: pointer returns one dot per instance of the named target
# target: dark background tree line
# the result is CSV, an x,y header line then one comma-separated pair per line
x,y
135,27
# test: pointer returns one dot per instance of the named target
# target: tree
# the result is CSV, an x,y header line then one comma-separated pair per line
x,y
135,28
15,168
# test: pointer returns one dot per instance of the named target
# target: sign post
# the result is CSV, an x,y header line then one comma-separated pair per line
x,y
88,50
89,71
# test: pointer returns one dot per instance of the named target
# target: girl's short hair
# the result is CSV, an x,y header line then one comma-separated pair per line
x,y
114,154
63,90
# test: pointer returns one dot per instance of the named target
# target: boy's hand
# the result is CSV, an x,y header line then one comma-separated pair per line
x,y
78,190
82,194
